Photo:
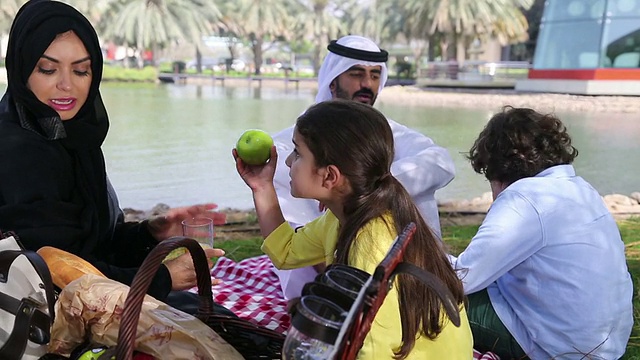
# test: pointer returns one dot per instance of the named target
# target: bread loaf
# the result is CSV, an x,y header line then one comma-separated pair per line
x,y
64,266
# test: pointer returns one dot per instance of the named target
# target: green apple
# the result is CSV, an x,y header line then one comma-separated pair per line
x,y
92,354
254,147
175,253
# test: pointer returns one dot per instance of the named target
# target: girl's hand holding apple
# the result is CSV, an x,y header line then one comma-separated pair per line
x,y
255,158
257,176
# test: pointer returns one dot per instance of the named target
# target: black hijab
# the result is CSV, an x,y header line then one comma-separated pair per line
x,y
36,25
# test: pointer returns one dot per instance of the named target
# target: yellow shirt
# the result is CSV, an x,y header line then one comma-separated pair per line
x,y
316,242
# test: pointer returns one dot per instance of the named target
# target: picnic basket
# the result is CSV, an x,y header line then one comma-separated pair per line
x,y
250,340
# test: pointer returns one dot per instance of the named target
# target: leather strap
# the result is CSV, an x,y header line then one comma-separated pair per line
x,y
433,282
30,322
8,256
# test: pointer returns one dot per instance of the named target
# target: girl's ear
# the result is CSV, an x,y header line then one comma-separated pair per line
x,y
332,177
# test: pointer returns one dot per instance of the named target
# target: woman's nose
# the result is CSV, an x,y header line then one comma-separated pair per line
x,y
64,82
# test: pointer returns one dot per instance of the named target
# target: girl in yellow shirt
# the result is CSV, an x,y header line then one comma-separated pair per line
x,y
342,158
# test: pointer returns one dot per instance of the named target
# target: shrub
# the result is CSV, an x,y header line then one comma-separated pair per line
x,y
117,73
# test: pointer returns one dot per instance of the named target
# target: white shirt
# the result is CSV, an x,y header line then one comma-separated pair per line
x,y
552,258
419,164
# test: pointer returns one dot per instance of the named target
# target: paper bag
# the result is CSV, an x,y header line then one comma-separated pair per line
x,y
91,306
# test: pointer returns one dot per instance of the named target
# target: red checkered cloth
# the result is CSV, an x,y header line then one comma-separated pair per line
x,y
486,356
252,291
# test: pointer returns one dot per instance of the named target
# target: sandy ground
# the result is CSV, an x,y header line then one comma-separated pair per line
x,y
494,99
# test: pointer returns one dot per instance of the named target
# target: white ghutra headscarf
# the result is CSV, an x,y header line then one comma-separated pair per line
x,y
344,53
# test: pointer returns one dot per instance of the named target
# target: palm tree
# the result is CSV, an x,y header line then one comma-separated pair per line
x,y
258,21
318,23
93,9
462,20
370,18
8,10
153,24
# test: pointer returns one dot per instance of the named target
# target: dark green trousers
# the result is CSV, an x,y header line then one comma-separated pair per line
x,y
489,333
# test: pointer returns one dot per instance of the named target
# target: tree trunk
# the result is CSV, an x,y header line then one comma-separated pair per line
x,y
154,54
461,52
418,52
316,55
257,54
444,49
431,50
198,60
452,53
125,62
317,39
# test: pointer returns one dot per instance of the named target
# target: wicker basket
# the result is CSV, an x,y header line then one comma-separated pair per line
x,y
250,340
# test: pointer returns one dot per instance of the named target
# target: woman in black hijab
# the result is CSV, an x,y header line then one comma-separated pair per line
x,y
54,189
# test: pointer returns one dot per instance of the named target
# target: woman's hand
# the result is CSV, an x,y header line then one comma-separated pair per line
x,y
170,224
257,176
183,272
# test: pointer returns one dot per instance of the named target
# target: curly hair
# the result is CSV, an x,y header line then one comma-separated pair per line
x,y
519,143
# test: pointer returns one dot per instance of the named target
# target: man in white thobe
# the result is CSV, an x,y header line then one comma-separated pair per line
x,y
355,69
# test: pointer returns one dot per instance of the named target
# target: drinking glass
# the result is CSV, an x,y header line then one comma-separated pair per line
x,y
200,229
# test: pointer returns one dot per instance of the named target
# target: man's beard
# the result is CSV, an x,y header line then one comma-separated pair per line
x,y
343,94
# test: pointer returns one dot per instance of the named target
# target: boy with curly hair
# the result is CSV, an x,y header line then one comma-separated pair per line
x,y
546,274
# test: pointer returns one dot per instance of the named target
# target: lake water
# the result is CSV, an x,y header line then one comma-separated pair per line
x,y
172,143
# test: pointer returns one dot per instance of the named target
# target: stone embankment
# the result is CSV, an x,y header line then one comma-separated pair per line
x,y
620,206
242,223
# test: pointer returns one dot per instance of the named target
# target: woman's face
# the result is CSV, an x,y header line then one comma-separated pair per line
x,y
62,76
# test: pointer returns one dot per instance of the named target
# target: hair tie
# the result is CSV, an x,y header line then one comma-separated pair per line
x,y
384,177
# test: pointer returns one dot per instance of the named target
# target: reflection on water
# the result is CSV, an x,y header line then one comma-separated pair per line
x,y
608,146
172,143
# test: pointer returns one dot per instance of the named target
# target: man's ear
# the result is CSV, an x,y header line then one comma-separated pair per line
x,y
332,177
332,86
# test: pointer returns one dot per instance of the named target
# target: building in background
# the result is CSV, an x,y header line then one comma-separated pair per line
x,y
589,47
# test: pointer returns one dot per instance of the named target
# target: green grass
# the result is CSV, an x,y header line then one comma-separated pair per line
x,y
118,73
630,230
240,249
457,238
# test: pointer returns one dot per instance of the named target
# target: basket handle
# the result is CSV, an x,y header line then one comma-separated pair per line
x,y
142,280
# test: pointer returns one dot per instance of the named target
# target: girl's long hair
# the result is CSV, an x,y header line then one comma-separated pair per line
x,y
357,139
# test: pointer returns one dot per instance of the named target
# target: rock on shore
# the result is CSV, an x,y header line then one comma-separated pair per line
x,y
243,223
621,206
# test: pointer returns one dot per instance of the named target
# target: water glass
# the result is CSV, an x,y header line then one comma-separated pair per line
x,y
200,229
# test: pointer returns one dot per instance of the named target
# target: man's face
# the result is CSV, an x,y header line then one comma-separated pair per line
x,y
359,83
